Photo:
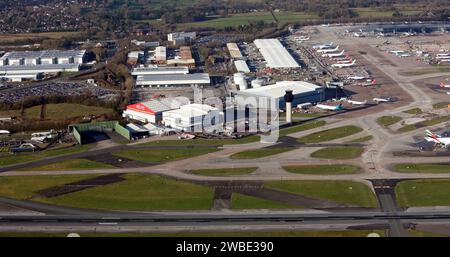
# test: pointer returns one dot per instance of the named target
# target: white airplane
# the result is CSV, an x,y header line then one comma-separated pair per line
x,y
444,85
444,60
356,77
444,142
303,38
443,56
334,55
345,61
343,65
381,100
323,46
329,107
324,51
369,82
357,102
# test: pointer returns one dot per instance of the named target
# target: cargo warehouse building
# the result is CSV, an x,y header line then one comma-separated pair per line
x,y
275,54
303,92
17,66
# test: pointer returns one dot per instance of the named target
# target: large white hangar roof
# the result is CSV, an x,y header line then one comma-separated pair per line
x,y
174,79
278,89
275,53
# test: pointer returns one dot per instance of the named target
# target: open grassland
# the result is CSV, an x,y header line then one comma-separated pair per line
x,y
73,164
62,111
338,153
265,233
31,36
240,201
302,126
11,159
140,192
323,169
163,155
235,20
388,120
346,192
223,172
425,123
262,152
360,140
24,187
418,233
423,192
422,168
330,134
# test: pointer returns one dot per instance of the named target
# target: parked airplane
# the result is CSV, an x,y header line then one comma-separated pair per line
x,y
378,100
323,46
329,107
343,65
357,102
324,51
443,56
334,55
345,61
444,142
356,77
368,83
41,137
303,38
444,85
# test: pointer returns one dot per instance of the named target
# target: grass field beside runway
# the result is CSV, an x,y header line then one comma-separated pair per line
x,y
265,233
414,111
388,120
140,192
347,192
260,153
441,105
24,187
163,155
323,169
202,141
223,172
422,168
360,140
302,126
240,201
425,123
330,134
338,153
71,164
423,192
11,159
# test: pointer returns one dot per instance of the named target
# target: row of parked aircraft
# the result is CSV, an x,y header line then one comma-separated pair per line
x,y
331,51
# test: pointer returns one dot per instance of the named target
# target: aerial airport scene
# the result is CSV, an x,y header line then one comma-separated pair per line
x,y
224,119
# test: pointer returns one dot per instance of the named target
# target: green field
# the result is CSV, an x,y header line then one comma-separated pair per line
x,y
423,192
418,233
441,105
425,123
61,111
30,36
360,140
388,120
347,192
239,19
374,13
301,127
11,159
330,134
140,192
240,201
323,169
318,233
72,164
163,155
422,168
414,111
338,153
259,153
23,187
223,172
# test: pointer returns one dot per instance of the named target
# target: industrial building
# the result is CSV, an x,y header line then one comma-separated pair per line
x,y
241,66
234,51
183,58
151,111
193,117
196,79
275,54
155,70
179,38
161,54
32,65
303,92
